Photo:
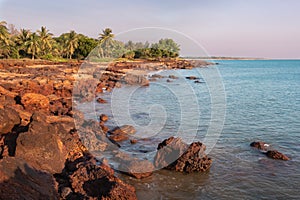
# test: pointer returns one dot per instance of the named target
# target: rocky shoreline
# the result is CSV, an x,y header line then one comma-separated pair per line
x,y
41,153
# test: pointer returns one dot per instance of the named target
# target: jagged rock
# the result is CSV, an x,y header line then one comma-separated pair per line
x,y
277,155
174,154
18,180
8,118
33,101
41,147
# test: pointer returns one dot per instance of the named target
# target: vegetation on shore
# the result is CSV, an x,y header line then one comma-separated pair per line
x,y
43,44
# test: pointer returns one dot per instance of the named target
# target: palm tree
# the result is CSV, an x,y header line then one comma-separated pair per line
x,y
46,40
71,43
33,45
4,34
106,42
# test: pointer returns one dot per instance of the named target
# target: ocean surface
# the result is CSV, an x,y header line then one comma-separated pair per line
x,y
233,104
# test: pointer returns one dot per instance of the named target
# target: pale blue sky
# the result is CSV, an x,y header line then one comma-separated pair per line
x,y
256,28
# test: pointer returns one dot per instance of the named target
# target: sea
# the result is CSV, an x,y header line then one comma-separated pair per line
x,y
226,106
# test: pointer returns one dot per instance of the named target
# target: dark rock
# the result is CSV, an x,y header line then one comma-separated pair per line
x,y
100,100
277,155
90,180
18,180
192,77
174,154
137,168
259,145
41,147
8,118
169,81
103,118
133,141
197,81
122,133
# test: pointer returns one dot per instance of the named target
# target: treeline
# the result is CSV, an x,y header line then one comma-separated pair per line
x,y
42,44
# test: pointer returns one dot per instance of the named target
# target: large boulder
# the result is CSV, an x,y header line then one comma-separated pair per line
x,y
18,180
41,147
176,155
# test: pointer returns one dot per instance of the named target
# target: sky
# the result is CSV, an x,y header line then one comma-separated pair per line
x,y
256,28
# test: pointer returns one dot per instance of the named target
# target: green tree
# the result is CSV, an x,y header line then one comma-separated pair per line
x,y
4,34
33,45
70,43
45,40
106,42
85,46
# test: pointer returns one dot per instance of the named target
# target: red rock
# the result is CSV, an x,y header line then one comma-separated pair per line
x,y
8,118
133,141
41,147
100,100
18,180
33,101
277,155
174,154
103,118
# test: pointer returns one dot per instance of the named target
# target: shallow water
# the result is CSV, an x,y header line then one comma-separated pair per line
x,y
262,103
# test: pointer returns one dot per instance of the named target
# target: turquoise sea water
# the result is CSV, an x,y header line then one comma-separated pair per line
x,y
262,103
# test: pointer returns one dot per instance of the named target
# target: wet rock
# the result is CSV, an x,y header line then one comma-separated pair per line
x,y
197,81
260,145
137,168
174,154
192,77
122,133
133,141
173,77
169,81
277,155
100,100
8,118
18,180
91,181
103,118
125,129
33,101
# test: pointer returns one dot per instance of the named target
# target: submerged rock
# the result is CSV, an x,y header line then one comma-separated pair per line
x,y
176,155
259,145
277,155
122,133
137,168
